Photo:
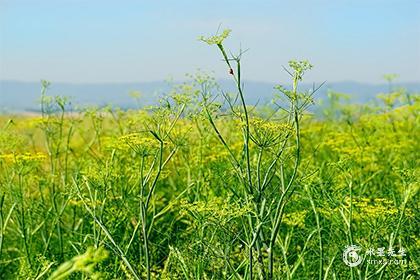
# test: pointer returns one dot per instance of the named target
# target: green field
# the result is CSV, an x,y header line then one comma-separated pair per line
x,y
204,186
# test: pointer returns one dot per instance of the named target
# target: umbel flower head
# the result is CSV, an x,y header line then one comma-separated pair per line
x,y
300,67
216,39
23,158
140,143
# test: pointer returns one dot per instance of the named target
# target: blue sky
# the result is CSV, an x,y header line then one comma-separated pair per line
x,y
125,41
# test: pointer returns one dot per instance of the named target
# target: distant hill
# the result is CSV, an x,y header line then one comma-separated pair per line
x,y
17,96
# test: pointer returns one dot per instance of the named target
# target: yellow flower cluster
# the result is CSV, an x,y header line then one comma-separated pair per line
x,y
371,208
23,158
216,39
217,208
220,155
270,126
141,143
344,145
295,219
267,133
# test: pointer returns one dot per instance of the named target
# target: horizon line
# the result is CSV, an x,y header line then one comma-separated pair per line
x,y
217,79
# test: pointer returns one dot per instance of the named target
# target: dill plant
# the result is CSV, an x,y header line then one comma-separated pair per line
x,y
152,148
260,187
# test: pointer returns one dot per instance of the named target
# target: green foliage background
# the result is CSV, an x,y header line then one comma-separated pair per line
x,y
53,167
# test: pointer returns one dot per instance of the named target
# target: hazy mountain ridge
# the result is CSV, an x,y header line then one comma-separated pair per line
x,y
18,96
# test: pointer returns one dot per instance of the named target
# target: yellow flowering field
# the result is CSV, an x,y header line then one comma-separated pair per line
x,y
205,186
